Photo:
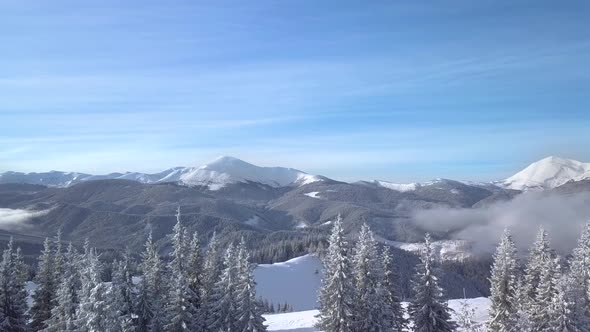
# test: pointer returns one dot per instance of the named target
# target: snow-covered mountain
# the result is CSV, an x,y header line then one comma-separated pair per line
x,y
226,170
547,173
217,174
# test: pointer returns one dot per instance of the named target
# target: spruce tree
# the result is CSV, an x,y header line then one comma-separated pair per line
x,y
578,282
122,297
224,299
195,278
211,273
43,298
428,310
563,317
503,283
539,254
150,303
547,292
393,310
249,309
179,309
335,296
13,305
367,271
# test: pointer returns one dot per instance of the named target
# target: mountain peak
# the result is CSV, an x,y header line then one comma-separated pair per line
x,y
547,173
225,170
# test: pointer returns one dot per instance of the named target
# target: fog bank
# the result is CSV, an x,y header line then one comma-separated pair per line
x,y
12,219
562,215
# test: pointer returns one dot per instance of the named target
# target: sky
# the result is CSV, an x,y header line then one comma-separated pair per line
x,y
390,90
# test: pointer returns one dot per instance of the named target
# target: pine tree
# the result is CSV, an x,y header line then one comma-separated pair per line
x,y
369,301
13,295
211,273
224,299
63,314
92,314
150,303
521,320
428,311
539,254
122,297
195,279
249,313
179,309
547,292
335,297
579,282
43,298
393,310
562,308
503,282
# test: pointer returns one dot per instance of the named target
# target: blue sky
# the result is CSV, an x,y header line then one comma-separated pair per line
x,y
394,90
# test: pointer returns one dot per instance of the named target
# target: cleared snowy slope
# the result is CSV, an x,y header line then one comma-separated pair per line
x,y
304,321
226,170
548,173
295,281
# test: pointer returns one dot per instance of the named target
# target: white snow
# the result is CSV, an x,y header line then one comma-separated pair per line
x,y
304,321
215,175
226,170
313,194
548,173
401,187
295,282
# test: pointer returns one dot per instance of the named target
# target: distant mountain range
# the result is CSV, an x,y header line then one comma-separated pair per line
x,y
547,173
281,212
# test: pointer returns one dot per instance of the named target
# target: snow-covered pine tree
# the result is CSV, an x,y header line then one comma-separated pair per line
x,y
211,273
579,282
335,295
369,297
562,308
539,254
150,301
58,258
194,271
543,315
92,314
44,296
249,310
521,320
428,310
13,305
503,284
63,314
122,289
179,309
393,310
224,299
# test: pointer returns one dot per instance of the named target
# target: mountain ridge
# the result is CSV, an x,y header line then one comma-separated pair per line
x,y
547,173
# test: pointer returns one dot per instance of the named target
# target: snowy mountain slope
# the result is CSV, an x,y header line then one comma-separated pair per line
x,y
304,321
547,173
295,282
226,170
215,175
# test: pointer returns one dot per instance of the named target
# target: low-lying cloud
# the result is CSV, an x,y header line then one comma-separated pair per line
x,y
12,219
563,216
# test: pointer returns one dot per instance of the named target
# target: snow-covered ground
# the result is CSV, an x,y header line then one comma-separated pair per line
x,y
295,282
304,321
